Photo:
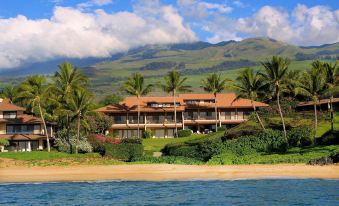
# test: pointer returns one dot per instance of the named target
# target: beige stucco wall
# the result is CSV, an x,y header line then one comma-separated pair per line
x,y
2,128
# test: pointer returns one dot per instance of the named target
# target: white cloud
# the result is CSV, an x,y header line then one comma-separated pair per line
x,y
239,4
201,9
304,26
92,3
77,34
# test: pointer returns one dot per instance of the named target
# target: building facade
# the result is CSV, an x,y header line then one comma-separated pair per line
x,y
24,132
194,111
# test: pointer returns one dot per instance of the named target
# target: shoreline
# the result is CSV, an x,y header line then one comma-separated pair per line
x,y
164,172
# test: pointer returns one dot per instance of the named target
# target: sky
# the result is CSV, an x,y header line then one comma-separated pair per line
x,y
40,30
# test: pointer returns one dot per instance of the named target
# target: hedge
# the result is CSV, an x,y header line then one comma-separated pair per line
x,y
125,152
270,141
201,150
300,136
184,133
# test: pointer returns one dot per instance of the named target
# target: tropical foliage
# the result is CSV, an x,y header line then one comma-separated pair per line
x,y
174,83
214,84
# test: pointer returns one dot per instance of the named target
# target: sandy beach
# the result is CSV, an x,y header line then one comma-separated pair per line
x,y
163,172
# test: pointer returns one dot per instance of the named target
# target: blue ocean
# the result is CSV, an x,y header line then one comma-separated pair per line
x,y
237,192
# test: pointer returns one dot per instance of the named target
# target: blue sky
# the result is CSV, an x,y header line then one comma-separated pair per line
x,y
100,28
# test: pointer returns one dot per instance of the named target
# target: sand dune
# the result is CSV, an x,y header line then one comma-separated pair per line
x,y
163,172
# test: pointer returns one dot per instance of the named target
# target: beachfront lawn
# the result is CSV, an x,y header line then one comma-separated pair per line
x,y
43,155
156,144
325,126
294,155
54,158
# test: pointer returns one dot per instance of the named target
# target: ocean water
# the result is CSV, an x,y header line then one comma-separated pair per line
x,y
237,192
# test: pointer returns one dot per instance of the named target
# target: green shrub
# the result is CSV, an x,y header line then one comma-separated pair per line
x,y
246,128
202,149
330,138
97,145
221,129
184,133
181,149
148,134
126,151
65,141
300,136
131,141
4,142
168,160
270,141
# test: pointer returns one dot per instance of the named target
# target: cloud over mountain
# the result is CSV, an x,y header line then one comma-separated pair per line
x,y
303,26
71,32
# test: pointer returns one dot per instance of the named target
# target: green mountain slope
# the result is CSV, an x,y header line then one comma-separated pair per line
x,y
199,59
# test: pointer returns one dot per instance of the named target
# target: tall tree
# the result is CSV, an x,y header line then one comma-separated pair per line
x,y
275,71
312,85
175,83
10,92
68,79
250,85
33,91
135,85
79,107
65,82
214,84
332,82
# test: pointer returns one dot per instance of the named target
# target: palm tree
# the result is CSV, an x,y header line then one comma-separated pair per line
x,y
214,84
66,80
10,92
79,106
33,91
275,73
174,83
250,84
135,85
331,73
312,85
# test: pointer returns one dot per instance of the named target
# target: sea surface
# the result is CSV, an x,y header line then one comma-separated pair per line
x,y
237,192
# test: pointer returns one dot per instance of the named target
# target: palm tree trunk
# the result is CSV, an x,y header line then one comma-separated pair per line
x,y
331,113
45,127
175,114
257,115
138,116
281,116
315,122
216,114
78,136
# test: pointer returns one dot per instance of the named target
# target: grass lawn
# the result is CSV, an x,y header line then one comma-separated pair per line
x,y
54,158
294,155
43,155
325,126
155,144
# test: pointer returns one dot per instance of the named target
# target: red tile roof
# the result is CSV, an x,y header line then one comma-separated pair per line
x,y
7,105
225,100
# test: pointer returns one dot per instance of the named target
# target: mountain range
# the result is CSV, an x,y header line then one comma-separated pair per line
x,y
192,59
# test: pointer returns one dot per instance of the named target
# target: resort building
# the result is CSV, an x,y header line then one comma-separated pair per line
x,y
323,104
194,111
24,132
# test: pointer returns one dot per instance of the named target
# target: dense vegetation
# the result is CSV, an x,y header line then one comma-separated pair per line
x,y
277,130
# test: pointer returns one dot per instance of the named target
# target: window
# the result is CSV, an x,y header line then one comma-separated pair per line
x,y
117,119
9,115
20,129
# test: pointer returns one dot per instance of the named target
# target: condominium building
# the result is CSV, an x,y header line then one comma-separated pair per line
x,y
24,132
194,111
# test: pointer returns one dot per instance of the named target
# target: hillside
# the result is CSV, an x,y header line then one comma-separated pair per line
x,y
194,60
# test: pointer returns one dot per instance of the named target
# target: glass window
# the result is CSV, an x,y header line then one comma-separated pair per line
x,y
9,115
